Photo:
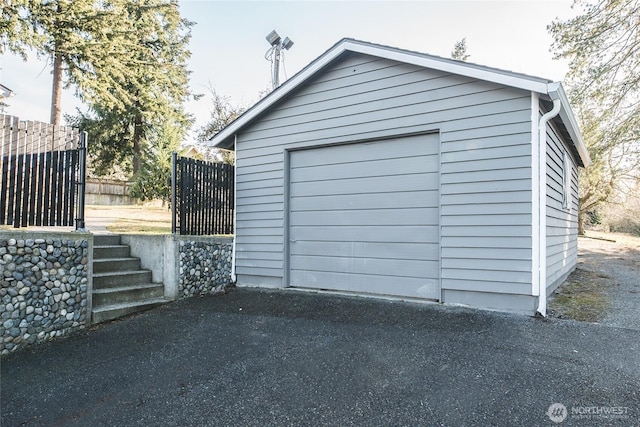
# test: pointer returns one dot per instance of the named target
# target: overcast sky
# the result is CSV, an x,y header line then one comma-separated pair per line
x,y
228,42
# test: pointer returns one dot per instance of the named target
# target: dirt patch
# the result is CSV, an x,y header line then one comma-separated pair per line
x,y
582,297
605,287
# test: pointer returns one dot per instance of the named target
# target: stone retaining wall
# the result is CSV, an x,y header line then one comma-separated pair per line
x,y
46,284
45,287
204,265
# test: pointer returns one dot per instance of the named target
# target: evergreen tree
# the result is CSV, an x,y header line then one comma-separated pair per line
x,y
150,95
154,179
459,51
118,54
83,39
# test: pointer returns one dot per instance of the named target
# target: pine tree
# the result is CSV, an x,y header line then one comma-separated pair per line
x,y
153,182
459,51
150,95
79,37
111,52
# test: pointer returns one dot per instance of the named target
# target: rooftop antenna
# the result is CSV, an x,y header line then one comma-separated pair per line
x,y
273,54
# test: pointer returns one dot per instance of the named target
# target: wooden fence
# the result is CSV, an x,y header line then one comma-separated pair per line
x,y
202,199
41,174
113,187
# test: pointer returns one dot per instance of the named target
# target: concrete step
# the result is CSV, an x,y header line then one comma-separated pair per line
x,y
120,278
113,265
127,294
120,286
111,251
114,311
106,239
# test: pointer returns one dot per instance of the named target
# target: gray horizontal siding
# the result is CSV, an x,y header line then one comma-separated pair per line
x,y
485,220
367,125
562,223
459,106
252,223
485,161
462,253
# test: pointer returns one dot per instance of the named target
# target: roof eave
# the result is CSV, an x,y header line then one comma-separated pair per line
x,y
224,139
566,114
427,61
528,83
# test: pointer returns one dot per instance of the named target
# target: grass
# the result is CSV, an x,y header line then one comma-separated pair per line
x,y
139,226
582,297
133,219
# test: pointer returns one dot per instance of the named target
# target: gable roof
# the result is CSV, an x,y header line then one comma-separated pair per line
x,y
546,88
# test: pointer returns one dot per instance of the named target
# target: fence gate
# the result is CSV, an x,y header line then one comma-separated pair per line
x,y
41,174
202,198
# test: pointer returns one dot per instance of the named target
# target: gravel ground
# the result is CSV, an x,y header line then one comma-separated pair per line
x,y
621,264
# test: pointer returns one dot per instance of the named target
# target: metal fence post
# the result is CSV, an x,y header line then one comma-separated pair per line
x,y
174,161
82,171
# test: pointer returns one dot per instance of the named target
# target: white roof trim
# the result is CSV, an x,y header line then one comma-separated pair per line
x,y
507,78
5,92
570,122
450,66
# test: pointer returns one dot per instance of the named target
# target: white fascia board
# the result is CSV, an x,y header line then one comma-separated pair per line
x,y
566,114
528,83
453,67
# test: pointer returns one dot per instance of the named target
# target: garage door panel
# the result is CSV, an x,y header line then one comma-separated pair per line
x,y
363,219
367,185
403,250
405,148
393,267
383,168
377,217
405,199
410,234
367,283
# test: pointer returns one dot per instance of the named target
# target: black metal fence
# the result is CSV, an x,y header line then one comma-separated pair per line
x,y
202,199
41,174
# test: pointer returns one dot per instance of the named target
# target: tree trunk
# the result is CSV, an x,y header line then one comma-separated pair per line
x,y
138,136
56,90
581,222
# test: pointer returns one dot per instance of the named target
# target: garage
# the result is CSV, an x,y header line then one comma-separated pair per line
x,y
363,217
382,171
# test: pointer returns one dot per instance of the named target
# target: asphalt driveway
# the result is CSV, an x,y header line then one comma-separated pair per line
x,y
258,358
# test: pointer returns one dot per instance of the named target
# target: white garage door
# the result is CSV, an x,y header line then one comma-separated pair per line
x,y
364,217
